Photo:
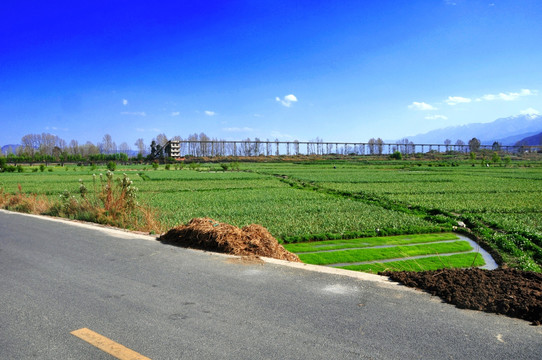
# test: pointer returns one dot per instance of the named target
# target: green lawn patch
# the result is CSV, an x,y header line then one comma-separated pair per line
x,y
423,264
396,252
367,242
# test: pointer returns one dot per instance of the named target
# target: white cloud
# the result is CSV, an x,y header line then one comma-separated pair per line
x,y
175,113
287,101
124,102
156,130
511,96
454,100
279,135
530,111
135,113
436,117
210,113
421,106
237,129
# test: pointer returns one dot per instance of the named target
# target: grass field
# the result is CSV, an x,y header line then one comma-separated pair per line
x,y
343,200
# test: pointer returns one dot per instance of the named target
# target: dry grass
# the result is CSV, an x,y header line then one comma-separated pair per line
x,y
113,202
208,234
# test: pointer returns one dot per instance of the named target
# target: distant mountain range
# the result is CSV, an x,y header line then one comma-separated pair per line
x,y
506,131
532,140
9,148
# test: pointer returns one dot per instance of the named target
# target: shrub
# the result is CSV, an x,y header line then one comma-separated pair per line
x,y
396,156
194,166
111,166
42,167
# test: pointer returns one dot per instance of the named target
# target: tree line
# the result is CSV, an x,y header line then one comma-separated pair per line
x,y
46,148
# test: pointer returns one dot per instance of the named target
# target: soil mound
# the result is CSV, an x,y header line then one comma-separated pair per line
x,y
509,292
208,234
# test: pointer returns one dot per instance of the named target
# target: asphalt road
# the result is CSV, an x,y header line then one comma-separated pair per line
x,y
166,302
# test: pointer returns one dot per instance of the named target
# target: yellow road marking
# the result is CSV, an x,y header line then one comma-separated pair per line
x,y
109,346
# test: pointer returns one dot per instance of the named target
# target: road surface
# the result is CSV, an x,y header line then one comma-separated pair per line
x,y
165,302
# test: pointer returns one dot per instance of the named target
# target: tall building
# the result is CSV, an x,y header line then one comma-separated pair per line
x,y
173,149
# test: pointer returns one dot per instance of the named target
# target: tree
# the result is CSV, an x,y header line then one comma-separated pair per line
x,y
157,151
474,144
73,147
107,146
204,145
379,146
472,157
447,142
495,158
372,143
124,148
140,144
30,143
161,139
460,144
496,146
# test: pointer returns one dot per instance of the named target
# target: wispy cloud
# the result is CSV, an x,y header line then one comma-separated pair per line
x,y
436,117
279,135
175,113
510,96
454,100
55,128
134,113
124,102
287,101
238,129
421,106
530,111
154,130
210,113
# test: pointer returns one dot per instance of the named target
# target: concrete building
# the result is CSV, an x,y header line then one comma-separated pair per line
x,y
173,149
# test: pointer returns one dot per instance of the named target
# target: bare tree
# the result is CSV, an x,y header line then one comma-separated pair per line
x,y
161,139
379,146
107,146
73,147
204,144
372,146
30,143
140,146
124,148
447,142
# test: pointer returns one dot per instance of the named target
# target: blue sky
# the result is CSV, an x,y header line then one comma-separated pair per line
x,y
337,70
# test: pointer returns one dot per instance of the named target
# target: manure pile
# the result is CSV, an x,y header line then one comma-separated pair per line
x,y
208,234
509,292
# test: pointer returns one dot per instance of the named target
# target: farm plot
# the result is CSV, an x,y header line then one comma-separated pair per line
x,y
395,253
503,204
260,199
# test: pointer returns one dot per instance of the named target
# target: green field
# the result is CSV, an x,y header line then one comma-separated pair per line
x,y
432,251
343,200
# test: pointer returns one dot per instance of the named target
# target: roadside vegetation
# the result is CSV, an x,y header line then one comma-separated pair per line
x,y
305,201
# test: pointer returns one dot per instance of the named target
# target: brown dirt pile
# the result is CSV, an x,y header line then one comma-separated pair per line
x,y
509,292
208,234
